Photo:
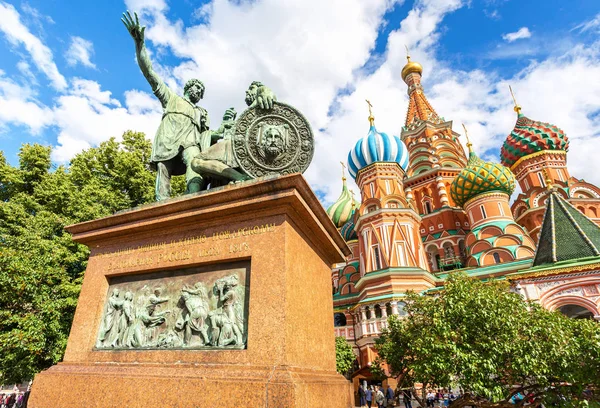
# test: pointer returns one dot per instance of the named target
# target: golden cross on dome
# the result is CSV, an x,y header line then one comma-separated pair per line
x,y
469,144
353,203
517,107
343,173
371,117
407,53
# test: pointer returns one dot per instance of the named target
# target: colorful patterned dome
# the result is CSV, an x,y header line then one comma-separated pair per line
x,y
530,136
377,147
341,211
348,232
481,177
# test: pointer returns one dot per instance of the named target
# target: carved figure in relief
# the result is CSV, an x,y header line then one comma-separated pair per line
x,y
126,321
272,141
205,318
151,317
227,320
109,332
193,316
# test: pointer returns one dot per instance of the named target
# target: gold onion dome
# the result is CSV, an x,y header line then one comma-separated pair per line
x,y
481,177
341,211
411,67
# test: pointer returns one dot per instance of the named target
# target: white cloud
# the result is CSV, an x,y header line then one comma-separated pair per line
x,y
18,34
35,14
145,5
139,103
590,25
18,106
523,32
80,52
87,116
25,69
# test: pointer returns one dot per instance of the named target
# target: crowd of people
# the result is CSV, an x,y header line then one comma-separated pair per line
x,y
377,396
17,399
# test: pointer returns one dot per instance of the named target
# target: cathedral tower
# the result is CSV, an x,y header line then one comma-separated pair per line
x,y
483,190
536,151
386,222
436,158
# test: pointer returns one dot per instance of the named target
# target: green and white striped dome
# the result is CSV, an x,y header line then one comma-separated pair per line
x,y
341,211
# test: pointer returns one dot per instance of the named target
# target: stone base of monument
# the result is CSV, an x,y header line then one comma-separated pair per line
x,y
220,299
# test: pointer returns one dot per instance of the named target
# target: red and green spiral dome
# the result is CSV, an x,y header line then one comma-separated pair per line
x,y
530,136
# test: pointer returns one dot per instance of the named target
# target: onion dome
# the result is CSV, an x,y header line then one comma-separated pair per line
x,y
411,67
376,147
347,231
341,211
481,177
530,136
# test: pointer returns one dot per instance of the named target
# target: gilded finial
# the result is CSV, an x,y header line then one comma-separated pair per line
x,y
353,202
517,107
343,171
407,53
469,144
548,180
371,117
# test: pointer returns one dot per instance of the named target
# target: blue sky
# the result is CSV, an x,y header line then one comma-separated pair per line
x,y
68,77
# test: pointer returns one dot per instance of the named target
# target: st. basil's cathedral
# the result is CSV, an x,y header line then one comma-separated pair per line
x,y
428,209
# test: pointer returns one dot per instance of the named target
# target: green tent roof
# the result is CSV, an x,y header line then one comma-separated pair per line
x,y
566,233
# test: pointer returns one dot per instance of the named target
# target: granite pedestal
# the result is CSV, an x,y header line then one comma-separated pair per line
x,y
276,227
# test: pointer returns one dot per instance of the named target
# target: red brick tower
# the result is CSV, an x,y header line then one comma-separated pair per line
x,y
536,151
436,158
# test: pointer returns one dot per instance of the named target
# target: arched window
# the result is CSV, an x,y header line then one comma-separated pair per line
x,y
496,257
541,178
339,319
377,312
376,257
388,309
427,207
576,312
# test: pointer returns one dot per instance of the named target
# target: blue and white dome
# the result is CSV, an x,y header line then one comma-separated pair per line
x,y
377,147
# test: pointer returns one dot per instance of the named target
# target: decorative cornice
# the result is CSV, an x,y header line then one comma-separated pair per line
x,y
594,267
485,195
536,154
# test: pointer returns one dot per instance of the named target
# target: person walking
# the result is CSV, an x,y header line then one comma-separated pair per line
x,y
430,399
389,396
362,396
379,397
407,398
369,396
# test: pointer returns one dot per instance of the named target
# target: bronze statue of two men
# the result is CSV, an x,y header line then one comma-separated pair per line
x,y
184,143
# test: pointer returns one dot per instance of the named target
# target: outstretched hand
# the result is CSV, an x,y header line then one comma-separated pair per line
x,y
134,28
265,98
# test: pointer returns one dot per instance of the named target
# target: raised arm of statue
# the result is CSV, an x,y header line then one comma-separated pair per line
x,y
137,33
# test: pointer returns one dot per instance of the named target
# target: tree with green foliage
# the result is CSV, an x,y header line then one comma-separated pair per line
x,y
344,356
493,345
41,268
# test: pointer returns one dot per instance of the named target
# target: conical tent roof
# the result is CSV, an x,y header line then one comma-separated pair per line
x,y
566,233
